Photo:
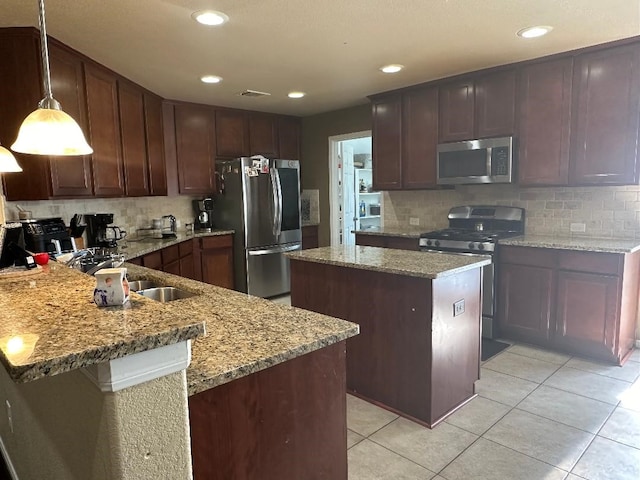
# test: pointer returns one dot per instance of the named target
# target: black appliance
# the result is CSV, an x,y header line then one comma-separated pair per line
x,y
12,252
47,235
204,214
100,232
476,230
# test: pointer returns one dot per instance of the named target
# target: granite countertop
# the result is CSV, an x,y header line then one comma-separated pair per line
x,y
386,260
604,245
133,246
413,232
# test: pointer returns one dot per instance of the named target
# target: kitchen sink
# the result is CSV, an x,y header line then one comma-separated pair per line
x,y
165,294
136,285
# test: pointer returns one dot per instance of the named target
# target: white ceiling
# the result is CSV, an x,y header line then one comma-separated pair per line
x,y
330,49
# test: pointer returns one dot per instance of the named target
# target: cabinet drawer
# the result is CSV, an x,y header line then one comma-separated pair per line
x,y
170,254
218,241
606,263
536,257
185,248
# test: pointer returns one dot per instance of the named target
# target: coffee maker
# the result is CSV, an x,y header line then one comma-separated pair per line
x,y
204,214
100,232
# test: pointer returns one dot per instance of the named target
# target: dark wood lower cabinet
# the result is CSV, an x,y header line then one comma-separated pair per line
x,y
216,260
310,237
287,422
386,241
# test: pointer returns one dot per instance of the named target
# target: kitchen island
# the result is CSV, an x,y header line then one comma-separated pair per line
x,y
418,352
265,384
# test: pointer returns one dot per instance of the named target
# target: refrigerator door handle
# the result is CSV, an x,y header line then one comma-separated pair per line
x,y
267,251
279,185
274,196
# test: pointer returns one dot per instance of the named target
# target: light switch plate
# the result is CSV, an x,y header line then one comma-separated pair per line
x,y
458,308
415,221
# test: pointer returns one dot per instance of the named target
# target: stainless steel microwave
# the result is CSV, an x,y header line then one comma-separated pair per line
x,y
489,160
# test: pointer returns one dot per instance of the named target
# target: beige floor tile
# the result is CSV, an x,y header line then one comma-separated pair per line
x,y
588,384
519,366
433,449
624,427
370,461
630,398
539,353
609,460
365,418
503,388
353,438
568,408
545,440
486,460
629,372
478,415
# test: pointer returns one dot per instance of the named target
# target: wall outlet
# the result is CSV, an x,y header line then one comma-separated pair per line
x,y
578,227
415,221
458,308
9,416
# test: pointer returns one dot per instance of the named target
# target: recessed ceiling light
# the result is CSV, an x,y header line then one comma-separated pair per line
x,y
210,17
394,68
533,32
210,79
296,94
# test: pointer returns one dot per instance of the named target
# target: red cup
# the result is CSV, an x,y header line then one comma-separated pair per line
x,y
41,258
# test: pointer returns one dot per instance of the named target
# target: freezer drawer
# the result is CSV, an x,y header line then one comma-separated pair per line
x,y
268,270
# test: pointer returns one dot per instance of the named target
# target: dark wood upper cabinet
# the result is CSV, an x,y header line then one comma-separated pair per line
x,y
289,138
420,138
606,120
387,142
232,136
104,127
456,112
263,135
495,104
132,131
154,129
544,113
195,148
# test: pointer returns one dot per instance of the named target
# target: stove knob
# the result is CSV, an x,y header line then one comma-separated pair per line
x,y
428,243
471,245
437,243
480,246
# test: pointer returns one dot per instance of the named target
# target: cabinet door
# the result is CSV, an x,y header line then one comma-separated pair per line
x,y
263,135
172,267
525,295
586,313
70,176
289,138
134,148
606,117
457,104
153,260
217,266
420,138
195,149
187,267
104,125
155,144
495,104
544,122
231,133
387,143
310,237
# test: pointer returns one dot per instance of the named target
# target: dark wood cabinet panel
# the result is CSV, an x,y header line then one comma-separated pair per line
x,y
310,237
606,120
525,307
289,143
263,135
154,129
187,267
195,147
385,241
387,143
216,257
544,122
70,176
153,260
586,313
456,112
495,104
420,138
134,148
232,136
172,267
104,127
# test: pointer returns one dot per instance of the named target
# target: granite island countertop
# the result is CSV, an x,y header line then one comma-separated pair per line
x,y
133,246
602,245
401,262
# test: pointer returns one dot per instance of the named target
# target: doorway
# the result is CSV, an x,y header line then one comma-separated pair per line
x,y
352,203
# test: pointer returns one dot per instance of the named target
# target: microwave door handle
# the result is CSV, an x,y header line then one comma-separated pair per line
x,y
279,185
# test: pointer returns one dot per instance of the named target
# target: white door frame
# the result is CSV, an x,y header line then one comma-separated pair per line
x,y
334,160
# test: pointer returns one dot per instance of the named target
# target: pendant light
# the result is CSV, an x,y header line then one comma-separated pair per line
x,y
48,130
8,161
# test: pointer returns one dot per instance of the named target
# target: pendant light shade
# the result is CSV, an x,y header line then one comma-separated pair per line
x,y
8,161
48,130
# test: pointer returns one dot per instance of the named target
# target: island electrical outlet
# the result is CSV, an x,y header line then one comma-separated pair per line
x,y
458,308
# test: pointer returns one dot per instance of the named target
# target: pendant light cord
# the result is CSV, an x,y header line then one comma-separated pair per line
x,y
48,101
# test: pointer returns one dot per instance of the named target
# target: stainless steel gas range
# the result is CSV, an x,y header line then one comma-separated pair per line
x,y
475,230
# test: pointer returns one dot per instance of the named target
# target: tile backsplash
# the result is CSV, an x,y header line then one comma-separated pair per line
x,y
310,206
604,211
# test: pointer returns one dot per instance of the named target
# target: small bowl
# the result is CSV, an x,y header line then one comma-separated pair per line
x,y
41,258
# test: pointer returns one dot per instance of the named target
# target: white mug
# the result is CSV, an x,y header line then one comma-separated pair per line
x,y
112,287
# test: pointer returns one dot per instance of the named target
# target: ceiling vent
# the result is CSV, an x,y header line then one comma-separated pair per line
x,y
253,93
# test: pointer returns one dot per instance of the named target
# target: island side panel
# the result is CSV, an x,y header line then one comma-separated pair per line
x,y
287,422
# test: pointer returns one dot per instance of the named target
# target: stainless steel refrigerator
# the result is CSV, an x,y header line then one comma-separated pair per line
x,y
259,198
